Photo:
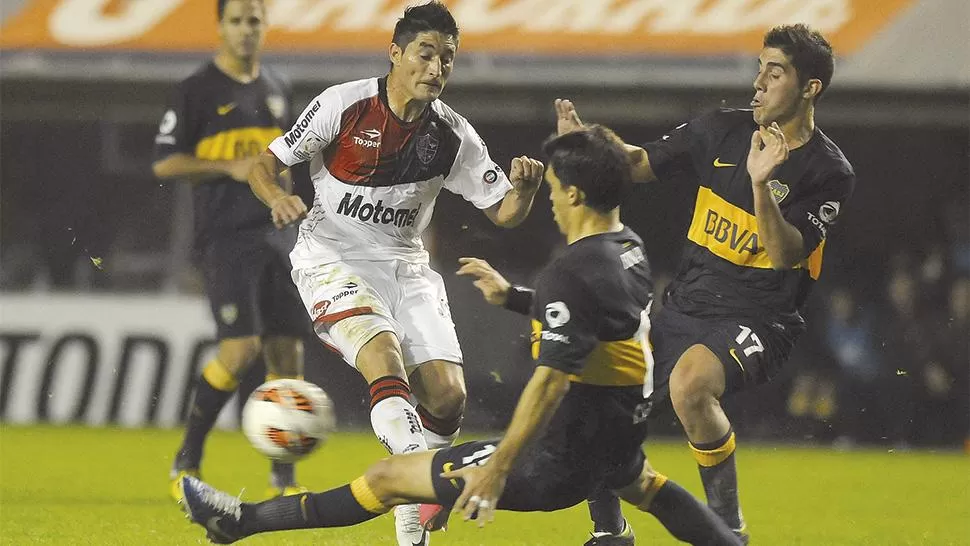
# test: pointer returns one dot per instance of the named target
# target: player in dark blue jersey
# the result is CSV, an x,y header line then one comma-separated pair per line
x,y
580,422
218,121
771,186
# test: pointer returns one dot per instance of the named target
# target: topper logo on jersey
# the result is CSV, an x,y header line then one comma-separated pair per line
x,y
372,140
377,213
300,127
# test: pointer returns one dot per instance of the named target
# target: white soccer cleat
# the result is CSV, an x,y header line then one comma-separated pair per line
x,y
407,524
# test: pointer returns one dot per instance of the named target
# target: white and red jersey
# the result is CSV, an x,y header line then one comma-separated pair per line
x,y
376,177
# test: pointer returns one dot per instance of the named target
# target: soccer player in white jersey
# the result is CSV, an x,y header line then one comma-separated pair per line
x,y
380,151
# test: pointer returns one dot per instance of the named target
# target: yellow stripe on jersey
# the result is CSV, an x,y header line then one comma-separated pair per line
x,y
814,261
614,364
730,232
236,143
611,364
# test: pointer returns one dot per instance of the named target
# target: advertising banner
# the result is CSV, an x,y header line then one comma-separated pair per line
x,y
519,27
102,360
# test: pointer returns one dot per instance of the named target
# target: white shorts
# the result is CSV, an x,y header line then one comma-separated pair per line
x,y
351,302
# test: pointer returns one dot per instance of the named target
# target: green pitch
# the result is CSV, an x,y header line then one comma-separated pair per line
x,y
71,486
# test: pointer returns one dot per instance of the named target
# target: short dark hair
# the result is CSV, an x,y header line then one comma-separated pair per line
x,y
592,159
221,8
433,16
810,53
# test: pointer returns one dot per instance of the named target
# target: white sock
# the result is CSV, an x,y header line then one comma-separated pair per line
x,y
398,426
436,441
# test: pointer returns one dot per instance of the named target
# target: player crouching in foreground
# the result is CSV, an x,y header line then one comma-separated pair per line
x,y
586,392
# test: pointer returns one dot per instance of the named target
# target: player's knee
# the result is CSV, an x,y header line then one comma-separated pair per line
x,y
237,354
690,389
447,401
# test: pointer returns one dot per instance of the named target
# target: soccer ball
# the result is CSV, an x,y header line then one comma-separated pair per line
x,y
287,419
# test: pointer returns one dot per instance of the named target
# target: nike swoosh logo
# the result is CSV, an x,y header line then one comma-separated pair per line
x,y
734,355
226,108
717,163
423,541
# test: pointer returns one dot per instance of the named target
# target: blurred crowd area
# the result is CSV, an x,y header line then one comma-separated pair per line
x,y
885,359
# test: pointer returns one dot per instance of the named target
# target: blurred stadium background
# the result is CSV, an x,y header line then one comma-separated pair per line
x,y
102,322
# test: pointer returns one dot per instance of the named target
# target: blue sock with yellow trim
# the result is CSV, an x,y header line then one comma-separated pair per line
x,y
685,517
341,507
212,391
719,474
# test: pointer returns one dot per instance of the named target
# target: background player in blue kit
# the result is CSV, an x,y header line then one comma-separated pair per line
x,y
218,121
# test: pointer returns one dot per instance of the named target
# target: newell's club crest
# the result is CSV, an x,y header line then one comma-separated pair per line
x,y
426,147
229,313
311,143
276,105
778,190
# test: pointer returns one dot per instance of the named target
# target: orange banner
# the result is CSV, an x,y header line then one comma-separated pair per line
x,y
555,27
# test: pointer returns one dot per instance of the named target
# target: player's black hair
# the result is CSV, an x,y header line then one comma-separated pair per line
x,y
433,16
221,8
592,159
809,51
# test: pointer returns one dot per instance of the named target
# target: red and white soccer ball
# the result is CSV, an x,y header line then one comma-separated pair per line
x,y
287,419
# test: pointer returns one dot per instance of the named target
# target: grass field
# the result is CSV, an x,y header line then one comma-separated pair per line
x,y
108,486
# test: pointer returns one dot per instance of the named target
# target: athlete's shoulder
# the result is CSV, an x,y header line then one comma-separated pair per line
x,y
276,78
447,114
713,125
836,160
204,77
732,118
348,93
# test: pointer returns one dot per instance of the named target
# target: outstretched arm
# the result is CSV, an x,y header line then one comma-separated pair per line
x,y
495,288
567,121
484,484
189,168
525,175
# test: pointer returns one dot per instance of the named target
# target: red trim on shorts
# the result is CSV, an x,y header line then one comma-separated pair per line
x,y
332,348
334,317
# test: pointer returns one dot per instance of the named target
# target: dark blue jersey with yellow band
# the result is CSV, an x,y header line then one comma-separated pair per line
x,y
725,270
212,116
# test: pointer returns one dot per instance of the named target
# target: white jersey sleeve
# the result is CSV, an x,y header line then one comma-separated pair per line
x,y
474,175
316,127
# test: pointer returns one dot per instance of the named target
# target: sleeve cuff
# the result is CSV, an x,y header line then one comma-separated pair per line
x,y
520,299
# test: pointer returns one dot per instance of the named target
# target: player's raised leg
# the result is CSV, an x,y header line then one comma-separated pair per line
x,y
696,386
394,420
220,378
391,482
677,510
284,360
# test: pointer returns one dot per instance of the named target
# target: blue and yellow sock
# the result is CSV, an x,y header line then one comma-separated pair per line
x,y
718,470
212,391
341,507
